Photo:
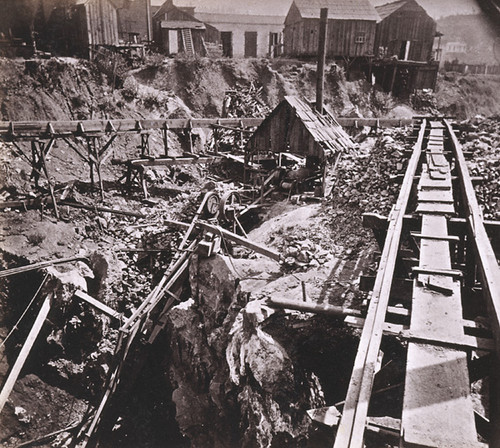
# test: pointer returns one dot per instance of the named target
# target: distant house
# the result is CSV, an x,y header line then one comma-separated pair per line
x,y
455,47
79,26
351,28
177,31
246,28
134,21
405,31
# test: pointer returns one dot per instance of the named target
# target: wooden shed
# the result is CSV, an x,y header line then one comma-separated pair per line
x,y
405,31
295,127
177,31
134,21
80,26
351,28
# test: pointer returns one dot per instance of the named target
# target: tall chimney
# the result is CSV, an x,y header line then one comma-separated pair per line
x,y
320,81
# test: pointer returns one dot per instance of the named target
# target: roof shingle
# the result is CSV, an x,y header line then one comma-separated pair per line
x,y
338,9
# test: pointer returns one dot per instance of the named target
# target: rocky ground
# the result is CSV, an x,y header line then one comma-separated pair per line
x,y
228,370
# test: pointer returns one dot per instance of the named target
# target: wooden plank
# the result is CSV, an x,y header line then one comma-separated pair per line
x,y
40,265
439,195
350,433
488,269
98,304
240,240
23,355
435,207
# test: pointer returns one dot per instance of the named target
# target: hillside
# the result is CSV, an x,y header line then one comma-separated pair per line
x,y
476,31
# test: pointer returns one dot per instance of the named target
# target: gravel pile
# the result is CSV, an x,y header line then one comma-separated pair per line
x,y
482,138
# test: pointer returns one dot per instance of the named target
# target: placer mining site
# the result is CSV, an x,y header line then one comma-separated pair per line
x,y
216,232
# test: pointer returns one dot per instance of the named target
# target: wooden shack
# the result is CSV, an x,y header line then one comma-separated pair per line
x,y
177,31
405,31
295,127
134,21
80,26
351,28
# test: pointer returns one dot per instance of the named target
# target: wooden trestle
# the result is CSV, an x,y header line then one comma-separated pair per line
x,y
450,259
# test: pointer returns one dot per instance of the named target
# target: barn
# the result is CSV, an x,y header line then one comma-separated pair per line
x,y
405,31
351,28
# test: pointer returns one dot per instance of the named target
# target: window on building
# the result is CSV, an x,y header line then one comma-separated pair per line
x,y
360,38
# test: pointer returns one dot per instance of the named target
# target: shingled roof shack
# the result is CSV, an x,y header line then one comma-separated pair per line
x,y
296,127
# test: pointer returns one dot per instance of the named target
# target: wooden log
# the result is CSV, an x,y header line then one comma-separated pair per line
x,y
23,355
312,307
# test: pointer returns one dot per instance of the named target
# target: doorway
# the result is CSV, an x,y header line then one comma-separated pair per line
x,y
250,44
227,43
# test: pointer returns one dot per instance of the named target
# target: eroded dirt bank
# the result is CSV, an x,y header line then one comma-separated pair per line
x,y
228,370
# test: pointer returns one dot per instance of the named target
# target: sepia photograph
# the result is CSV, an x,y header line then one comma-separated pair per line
x,y
250,223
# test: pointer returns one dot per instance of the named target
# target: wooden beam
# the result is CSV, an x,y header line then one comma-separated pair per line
x,y
312,307
240,240
25,351
40,265
98,304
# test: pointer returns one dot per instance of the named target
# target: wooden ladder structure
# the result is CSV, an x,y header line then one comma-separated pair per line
x,y
187,40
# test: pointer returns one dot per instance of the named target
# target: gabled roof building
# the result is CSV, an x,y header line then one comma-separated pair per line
x,y
351,28
405,31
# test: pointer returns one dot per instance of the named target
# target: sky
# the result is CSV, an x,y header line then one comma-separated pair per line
x,y
435,8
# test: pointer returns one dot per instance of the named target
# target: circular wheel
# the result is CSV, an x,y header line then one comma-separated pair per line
x,y
229,205
211,205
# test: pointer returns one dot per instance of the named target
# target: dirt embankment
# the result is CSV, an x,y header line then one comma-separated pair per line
x,y
465,96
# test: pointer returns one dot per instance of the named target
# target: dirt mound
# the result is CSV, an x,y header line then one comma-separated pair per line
x,y
465,96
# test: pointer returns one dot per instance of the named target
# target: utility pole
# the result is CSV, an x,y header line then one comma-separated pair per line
x,y
320,81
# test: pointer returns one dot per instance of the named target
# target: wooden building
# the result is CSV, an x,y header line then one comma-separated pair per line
x,y
295,127
80,26
405,31
177,31
245,28
351,28
134,21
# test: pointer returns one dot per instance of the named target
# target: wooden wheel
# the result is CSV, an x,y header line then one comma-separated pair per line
x,y
229,206
211,205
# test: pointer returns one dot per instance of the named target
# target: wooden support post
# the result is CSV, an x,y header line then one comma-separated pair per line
x,y
46,171
190,135
320,81
216,138
165,140
393,79
144,144
23,355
